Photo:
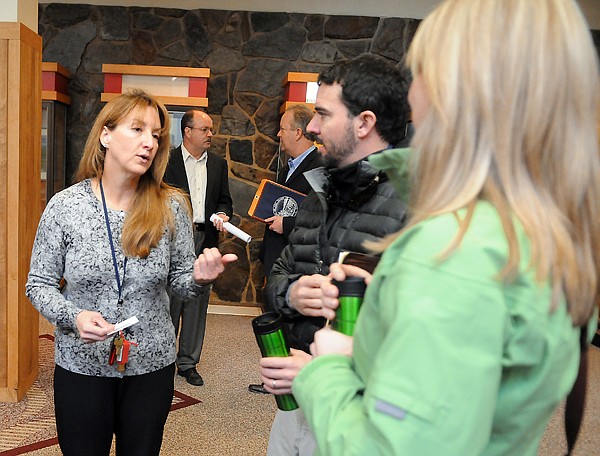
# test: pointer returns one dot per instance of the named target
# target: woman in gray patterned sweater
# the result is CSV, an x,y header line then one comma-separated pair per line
x,y
118,237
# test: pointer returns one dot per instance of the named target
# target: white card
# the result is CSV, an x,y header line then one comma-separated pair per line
x,y
124,324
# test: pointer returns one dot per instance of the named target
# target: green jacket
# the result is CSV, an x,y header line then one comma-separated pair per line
x,y
448,360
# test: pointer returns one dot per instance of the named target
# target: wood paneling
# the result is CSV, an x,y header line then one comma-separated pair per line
x,y
196,93
20,156
148,70
55,82
3,213
167,100
294,76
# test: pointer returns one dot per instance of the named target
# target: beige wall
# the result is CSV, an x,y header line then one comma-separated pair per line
x,y
23,11
389,8
591,8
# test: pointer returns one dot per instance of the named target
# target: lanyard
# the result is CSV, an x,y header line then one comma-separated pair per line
x,y
112,249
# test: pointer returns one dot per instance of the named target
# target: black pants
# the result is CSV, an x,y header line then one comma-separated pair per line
x,y
89,410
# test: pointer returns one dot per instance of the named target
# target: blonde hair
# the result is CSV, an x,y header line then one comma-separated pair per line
x,y
150,208
513,91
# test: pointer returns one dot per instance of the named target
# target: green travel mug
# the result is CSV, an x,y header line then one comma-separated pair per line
x,y
269,336
350,298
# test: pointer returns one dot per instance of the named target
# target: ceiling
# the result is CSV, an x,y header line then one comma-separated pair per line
x,y
394,8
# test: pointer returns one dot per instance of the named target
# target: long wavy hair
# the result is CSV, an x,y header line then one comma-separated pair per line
x,y
514,94
150,208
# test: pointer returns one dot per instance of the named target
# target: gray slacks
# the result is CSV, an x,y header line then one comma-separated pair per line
x,y
291,435
191,313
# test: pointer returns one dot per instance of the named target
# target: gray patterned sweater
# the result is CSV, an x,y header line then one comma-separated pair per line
x,y
72,243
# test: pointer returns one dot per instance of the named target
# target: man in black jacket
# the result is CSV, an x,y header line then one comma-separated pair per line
x,y
361,109
303,155
203,176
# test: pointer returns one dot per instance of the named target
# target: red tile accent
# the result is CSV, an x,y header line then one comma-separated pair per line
x,y
49,81
197,87
113,83
62,84
296,91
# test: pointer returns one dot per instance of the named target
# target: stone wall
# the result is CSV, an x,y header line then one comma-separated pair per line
x,y
248,53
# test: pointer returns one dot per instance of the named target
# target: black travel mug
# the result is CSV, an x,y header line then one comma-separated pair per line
x,y
350,298
269,336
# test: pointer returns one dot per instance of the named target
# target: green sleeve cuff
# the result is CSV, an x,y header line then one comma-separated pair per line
x,y
313,373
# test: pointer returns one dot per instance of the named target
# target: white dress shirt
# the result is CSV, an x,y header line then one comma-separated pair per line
x,y
196,176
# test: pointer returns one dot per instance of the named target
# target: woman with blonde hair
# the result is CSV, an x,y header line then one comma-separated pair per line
x,y
117,238
469,332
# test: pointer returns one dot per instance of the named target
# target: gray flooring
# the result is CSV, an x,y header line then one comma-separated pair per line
x,y
232,421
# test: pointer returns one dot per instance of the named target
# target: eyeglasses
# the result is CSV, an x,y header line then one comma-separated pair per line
x,y
204,130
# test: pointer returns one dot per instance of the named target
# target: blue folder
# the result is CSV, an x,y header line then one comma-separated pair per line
x,y
272,199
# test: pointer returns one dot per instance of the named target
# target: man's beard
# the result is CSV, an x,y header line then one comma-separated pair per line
x,y
336,153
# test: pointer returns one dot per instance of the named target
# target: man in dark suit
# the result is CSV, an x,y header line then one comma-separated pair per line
x,y
204,176
303,156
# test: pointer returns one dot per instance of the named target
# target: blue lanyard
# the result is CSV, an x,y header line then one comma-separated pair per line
x,y
112,249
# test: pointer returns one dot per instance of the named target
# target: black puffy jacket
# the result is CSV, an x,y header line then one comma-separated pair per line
x,y
322,230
